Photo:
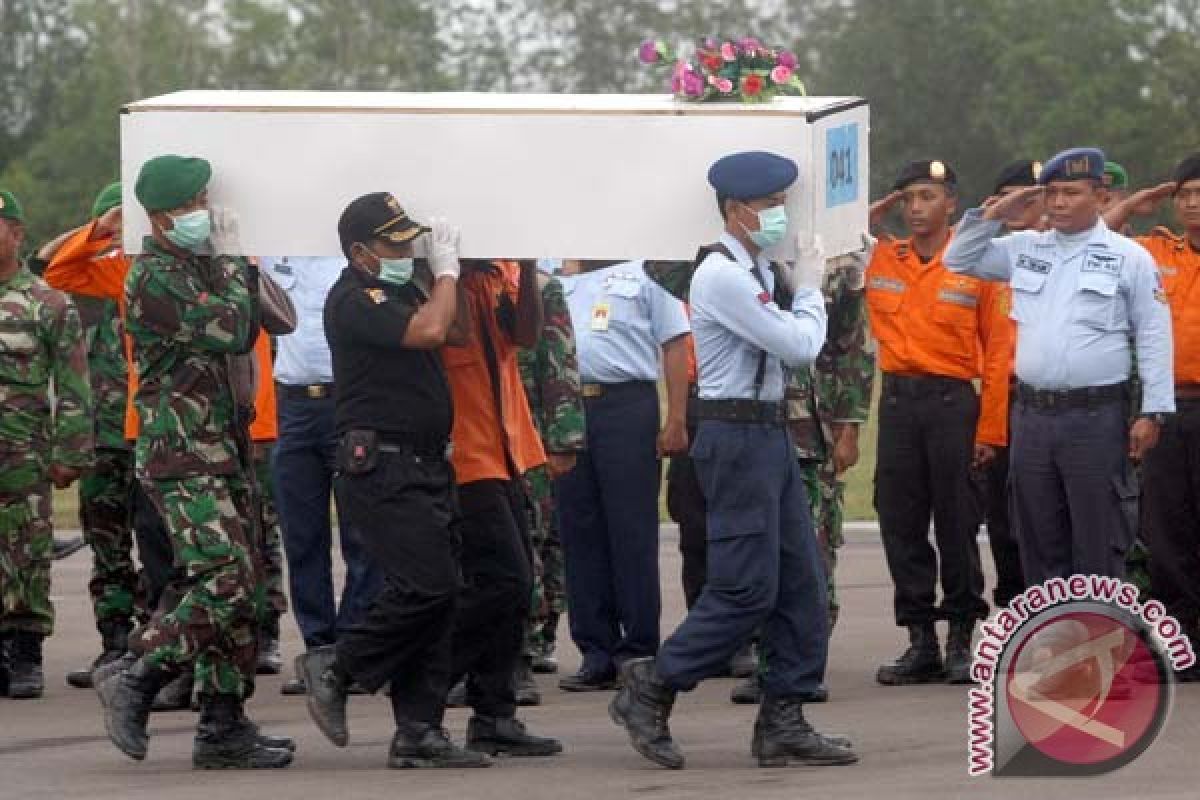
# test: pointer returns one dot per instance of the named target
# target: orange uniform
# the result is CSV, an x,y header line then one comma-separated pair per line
x,y
1179,265
97,268
478,453
931,321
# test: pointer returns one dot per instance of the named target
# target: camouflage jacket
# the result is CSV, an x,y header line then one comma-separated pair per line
x,y
109,376
44,390
838,386
188,318
550,373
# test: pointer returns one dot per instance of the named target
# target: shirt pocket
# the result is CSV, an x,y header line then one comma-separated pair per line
x,y
1027,293
284,275
883,301
19,353
956,307
1097,301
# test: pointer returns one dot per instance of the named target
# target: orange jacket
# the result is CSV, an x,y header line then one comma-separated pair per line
x,y
97,268
930,321
479,435
1179,265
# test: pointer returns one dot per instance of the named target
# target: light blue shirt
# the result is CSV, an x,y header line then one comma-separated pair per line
x,y
1077,299
303,356
734,321
621,318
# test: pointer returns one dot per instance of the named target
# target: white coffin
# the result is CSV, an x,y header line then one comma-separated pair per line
x,y
523,175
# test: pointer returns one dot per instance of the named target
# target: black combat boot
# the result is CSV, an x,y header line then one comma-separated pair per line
x,y
327,686
4,663
958,651
270,660
507,736
744,662
422,746
114,640
225,741
126,689
783,737
265,739
643,706
526,686
176,695
920,663
25,679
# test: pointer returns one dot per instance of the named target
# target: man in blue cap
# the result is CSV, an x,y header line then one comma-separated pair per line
x,y
764,570
1083,297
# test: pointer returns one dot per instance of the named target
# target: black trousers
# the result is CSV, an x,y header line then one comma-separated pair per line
x,y
686,506
923,468
403,513
1006,555
497,593
1171,514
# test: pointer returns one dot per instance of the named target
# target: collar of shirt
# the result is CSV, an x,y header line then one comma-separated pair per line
x,y
741,255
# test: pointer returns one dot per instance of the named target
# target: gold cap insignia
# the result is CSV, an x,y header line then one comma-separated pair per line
x,y
937,170
1036,168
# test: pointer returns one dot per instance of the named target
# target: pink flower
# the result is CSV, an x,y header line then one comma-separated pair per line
x,y
787,59
724,85
693,84
781,74
729,52
648,52
711,43
750,44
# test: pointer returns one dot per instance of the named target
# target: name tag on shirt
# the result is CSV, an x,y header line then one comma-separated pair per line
x,y
1033,264
1105,263
625,286
600,316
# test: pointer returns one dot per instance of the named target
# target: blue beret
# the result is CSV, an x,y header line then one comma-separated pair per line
x,y
1076,164
746,176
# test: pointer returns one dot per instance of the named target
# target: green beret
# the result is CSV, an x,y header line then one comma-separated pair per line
x,y
1115,176
10,207
169,182
108,199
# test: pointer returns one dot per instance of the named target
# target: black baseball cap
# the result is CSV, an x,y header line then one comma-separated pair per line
x,y
376,216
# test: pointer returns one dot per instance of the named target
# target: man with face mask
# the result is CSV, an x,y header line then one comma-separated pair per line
x,y
937,332
386,318
189,316
764,569
1083,298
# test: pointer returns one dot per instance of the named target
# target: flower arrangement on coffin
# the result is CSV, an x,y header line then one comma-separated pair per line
x,y
744,70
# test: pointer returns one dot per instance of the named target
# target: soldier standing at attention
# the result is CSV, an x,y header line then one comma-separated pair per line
x,y
1171,471
1083,298
189,315
45,438
937,332
764,568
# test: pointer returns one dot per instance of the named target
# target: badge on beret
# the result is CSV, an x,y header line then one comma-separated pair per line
x,y
937,170
394,204
1036,169
377,295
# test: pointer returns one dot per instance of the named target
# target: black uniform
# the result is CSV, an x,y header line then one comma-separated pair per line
x,y
396,488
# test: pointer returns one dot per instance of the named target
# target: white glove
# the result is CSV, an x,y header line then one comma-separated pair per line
x,y
226,232
854,265
809,272
442,247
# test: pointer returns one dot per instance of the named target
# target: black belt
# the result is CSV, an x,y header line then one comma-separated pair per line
x,y
921,384
591,391
1063,399
737,410
310,391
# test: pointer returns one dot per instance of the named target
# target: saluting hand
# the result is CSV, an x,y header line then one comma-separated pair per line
x,y
880,208
1142,438
1147,201
1010,207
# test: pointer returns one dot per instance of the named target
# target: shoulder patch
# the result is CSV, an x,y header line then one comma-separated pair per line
x,y
886,284
376,295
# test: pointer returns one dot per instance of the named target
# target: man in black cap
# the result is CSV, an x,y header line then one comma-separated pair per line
x,y
393,419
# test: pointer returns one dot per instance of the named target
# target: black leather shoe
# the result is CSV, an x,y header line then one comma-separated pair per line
x,y
326,692
589,681
783,737
507,736
126,693
224,740
25,677
417,746
642,707
526,687
920,663
958,652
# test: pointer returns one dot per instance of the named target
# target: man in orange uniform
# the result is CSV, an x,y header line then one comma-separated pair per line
x,y
91,262
937,332
495,443
1171,471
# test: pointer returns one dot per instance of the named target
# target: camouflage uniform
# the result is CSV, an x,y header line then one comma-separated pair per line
x,y
188,318
106,489
41,355
274,601
843,377
550,374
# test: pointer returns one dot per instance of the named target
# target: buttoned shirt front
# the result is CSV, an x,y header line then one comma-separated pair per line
x,y
303,356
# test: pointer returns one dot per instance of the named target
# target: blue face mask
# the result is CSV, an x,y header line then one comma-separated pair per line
x,y
396,271
772,225
190,230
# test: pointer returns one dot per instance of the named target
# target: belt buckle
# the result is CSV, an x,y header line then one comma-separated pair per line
x,y
315,391
592,390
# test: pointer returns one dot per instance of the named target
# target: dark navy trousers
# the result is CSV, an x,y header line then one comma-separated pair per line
x,y
608,519
302,466
764,568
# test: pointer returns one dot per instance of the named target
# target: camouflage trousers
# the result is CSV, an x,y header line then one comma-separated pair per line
x,y
549,590
106,514
207,618
26,547
274,600
826,499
